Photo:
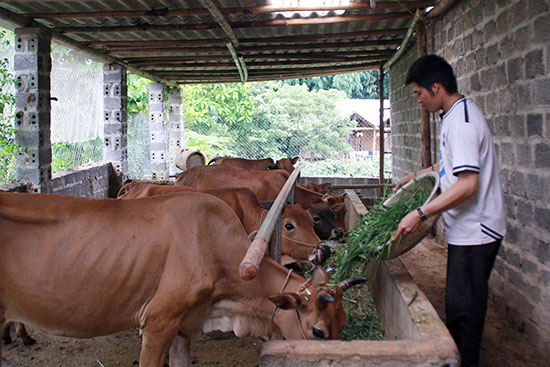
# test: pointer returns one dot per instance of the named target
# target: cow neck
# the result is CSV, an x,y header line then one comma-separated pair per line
x,y
298,318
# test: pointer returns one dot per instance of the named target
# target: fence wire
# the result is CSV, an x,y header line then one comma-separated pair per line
x,y
77,109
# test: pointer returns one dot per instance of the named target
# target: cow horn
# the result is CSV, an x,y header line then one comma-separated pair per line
x,y
348,283
323,299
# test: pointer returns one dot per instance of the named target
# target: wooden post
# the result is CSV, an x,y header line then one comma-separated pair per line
x,y
425,140
381,145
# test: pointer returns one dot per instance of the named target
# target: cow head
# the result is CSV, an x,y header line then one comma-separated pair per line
x,y
315,311
299,236
324,221
333,200
285,163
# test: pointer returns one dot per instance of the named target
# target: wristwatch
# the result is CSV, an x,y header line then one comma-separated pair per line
x,y
423,216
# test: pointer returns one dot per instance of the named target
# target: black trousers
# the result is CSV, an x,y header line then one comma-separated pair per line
x,y
468,272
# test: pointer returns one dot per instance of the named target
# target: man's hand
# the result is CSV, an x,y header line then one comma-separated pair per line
x,y
402,182
408,224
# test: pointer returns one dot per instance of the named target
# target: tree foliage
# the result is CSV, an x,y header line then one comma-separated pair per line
x,y
360,85
8,147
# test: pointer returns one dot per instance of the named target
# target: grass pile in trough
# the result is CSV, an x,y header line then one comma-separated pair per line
x,y
373,234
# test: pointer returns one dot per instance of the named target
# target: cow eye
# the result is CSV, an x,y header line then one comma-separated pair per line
x,y
318,333
316,219
289,227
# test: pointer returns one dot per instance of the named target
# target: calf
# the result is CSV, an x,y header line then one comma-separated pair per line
x,y
324,222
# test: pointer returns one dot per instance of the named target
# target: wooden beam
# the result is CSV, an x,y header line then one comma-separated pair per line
x,y
285,39
252,65
184,50
298,73
331,45
269,23
248,49
324,56
163,42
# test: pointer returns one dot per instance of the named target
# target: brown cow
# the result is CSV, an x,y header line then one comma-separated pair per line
x,y
299,236
321,188
253,164
340,214
264,184
286,163
98,266
257,164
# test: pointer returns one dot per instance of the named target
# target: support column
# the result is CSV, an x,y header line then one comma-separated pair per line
x,y
175,101
158,127
115,111
425,133
382,134
32,67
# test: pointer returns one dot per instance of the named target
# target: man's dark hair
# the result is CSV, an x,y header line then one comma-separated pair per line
x,y
431,69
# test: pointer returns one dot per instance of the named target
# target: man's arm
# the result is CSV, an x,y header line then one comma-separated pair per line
x,y
466,187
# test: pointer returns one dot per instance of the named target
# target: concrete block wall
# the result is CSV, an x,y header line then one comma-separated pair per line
x,y
158,126
115,128
98,180
344,180
501,54
32,66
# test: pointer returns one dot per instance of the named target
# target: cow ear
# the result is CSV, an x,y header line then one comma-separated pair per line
x,y
294,159
286,301
319,274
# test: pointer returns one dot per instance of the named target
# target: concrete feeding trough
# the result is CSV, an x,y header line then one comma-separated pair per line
x,y
415,335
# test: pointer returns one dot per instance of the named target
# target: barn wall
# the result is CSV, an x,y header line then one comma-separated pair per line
x,y
501,54
92,181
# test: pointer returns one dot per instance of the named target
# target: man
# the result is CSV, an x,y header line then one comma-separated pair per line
x,y
471,201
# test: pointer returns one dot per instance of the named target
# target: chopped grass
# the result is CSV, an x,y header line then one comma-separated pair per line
x,y
373,234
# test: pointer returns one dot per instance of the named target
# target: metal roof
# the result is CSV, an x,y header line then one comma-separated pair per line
x,y
212,41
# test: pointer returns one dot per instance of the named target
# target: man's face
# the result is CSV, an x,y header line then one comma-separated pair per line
x,y
429,99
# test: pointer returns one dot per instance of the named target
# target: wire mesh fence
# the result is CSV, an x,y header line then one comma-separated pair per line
x,y
77,109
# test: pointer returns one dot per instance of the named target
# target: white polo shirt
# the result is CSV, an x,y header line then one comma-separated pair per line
x,y
466,145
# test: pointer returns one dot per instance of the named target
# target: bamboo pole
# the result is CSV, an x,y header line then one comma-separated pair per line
x,y
249,267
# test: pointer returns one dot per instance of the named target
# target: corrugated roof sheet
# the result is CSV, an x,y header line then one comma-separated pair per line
x,y
183,42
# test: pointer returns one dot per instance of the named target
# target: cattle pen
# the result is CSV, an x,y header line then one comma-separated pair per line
x,y
499,49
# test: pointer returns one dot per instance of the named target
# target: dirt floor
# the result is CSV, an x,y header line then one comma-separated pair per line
x,y
504,345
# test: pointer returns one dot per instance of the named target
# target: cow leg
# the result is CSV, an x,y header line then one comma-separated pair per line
x,y
180,355
21,332
6,333
2,320
158,336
